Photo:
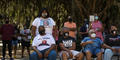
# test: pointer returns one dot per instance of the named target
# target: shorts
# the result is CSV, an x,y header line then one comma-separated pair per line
x,y
73,52
94,51
14,42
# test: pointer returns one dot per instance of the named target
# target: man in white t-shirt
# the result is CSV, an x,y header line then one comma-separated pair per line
x,y
44,46
43,20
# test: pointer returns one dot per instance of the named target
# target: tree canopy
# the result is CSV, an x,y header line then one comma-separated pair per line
x,y
24,11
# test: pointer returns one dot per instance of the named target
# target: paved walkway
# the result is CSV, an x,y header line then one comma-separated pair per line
x,y
18,55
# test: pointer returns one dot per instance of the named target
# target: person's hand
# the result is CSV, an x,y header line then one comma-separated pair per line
x,y
46,54
70,54
40,55
90,42
98,29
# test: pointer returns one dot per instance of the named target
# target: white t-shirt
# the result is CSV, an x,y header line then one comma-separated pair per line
x,y
43,42
47,23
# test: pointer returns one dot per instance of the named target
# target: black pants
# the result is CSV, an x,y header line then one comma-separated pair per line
x,y
5,43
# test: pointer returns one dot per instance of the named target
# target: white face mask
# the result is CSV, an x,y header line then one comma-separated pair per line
x,y
96,17
44,14
93,35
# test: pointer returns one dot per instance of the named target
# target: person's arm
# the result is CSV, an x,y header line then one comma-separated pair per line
x,y
53,47
106,46
54,32
37,51
73,46
85,43
33,31
72,29
63,47
83,32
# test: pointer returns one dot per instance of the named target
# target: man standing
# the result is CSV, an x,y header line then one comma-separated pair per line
x,y
84,29
43,46
72,27
7,32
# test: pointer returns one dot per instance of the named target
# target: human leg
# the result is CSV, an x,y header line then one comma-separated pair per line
x,y
14,45
79,56
108,54
4,48
28,50
99,56
23,48
52,55
88,55
34,56
10,48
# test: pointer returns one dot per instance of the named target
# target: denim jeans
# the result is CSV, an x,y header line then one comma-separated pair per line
x,y
108,54
52,55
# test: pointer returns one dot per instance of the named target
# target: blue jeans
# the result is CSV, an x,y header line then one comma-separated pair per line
x,y
52,55
108,54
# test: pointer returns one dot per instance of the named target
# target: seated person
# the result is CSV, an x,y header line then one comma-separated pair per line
x,y
67,47
43,46
92,46
113,40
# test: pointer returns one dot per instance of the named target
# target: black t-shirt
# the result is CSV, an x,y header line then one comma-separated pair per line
x,y
67,42
112,40
83,29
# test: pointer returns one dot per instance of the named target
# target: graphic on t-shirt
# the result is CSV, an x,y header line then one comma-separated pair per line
x,y
67,43
113,39
46,23
44,42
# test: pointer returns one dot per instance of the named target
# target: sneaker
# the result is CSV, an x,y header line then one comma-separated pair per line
x,y
3,58
11,59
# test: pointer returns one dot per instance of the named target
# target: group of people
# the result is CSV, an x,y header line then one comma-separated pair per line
x,y
47,42
12,36
92,43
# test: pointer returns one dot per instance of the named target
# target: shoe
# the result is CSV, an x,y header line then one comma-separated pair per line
x,y
3,58
11,59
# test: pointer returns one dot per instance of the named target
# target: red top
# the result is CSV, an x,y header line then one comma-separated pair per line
x,y
7,31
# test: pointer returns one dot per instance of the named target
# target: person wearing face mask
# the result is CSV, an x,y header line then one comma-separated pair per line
x,y
92,46
113,40
67,46
97,26
72,27
7,32
43,46
84,29
43,20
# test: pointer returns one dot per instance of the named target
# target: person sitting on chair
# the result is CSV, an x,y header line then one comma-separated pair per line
x,y
67,47
92,46
43,46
